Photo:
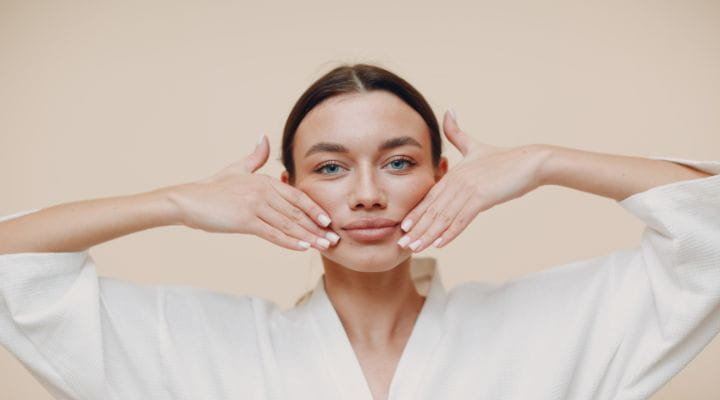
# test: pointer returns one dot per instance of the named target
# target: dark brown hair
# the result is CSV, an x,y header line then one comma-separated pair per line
x,y
357,78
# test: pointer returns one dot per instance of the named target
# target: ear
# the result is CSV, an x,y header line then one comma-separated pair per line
x,y
441,168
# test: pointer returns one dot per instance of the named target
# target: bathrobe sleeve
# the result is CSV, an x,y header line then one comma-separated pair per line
x,y
56,320
667,297
46,298
85,336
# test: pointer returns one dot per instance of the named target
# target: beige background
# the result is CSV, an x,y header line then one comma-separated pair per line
x,y
108,99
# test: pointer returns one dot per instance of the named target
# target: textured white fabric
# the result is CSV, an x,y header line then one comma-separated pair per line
x,y
612,327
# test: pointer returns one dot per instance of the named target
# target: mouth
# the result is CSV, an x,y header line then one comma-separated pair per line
x,y
372,234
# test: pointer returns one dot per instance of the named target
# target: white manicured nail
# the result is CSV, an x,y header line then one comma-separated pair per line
x,y
324,219
414,245
452,114
304,244
437,241
324,243
260,140
333,237
403,241
406,225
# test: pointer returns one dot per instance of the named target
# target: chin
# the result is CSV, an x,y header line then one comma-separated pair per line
x,y
367,257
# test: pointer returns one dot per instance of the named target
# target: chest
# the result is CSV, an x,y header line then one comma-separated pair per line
x,y
378,367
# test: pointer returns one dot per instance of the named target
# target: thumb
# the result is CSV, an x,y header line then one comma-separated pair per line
x,y
258,157
453,132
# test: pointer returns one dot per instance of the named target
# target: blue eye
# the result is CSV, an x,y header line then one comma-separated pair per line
x,y
402,162
323,167
331,168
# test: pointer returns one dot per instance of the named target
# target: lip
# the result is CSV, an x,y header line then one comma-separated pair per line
x,y
366,223
372,234
371,229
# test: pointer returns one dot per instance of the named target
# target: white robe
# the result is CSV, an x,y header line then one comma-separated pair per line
x,y
612,327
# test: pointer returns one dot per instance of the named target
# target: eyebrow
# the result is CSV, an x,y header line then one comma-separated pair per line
x,y
386,145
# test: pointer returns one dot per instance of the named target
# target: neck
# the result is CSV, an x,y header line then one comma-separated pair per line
x,y
376,308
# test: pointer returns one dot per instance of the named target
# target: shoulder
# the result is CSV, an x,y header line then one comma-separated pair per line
x,y
564,284
180,304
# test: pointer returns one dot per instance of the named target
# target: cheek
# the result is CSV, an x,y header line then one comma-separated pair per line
x,y
408,193
324,195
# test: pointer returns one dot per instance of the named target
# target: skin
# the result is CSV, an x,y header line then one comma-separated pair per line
x,y
370,281
369,284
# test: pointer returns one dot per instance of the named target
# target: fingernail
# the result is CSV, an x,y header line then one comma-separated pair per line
x,y
304,244
406,225
414,245
260,140
324,243
437,241
403,241
324,219
452,114
333,237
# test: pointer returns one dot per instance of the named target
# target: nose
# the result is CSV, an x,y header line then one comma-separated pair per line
x,y
367,191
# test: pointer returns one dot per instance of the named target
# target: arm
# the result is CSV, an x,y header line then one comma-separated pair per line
x,y
663,303
82,224
608,175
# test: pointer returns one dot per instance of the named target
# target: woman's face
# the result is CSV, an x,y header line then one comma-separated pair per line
x,y
360,156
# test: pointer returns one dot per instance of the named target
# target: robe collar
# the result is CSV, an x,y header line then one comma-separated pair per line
x,y
424,338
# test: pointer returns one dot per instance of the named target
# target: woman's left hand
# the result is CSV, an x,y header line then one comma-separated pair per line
x,y
486,176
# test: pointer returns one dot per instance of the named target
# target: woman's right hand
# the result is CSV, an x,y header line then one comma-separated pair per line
x,y
235,200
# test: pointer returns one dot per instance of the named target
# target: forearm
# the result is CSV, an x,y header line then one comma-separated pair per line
x,y
82,224
609,175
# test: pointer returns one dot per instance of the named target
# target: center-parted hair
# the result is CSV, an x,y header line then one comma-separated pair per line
x,y
356,78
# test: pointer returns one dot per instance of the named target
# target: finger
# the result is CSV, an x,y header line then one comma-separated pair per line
x,y
290,228
459,224
418,211
435,211
439,226
463,141
274,235
258,157
301,200
454,134
300,219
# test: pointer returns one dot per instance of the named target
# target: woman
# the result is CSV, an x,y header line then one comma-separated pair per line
x,y
366,185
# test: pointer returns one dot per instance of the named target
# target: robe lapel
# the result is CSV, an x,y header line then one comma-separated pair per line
x,y
424,338
426,334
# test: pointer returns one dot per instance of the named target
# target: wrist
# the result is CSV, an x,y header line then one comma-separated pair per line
x,y
546,154
166,205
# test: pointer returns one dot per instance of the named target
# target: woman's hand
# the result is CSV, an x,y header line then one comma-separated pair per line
x,y
235,200
486,176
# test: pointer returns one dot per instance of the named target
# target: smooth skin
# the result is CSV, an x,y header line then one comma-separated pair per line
x,y
239,200
234,200
490,175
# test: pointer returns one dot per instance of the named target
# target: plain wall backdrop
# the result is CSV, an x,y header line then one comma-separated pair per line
x,y
100,99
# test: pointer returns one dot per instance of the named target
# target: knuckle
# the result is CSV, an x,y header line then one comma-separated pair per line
x,y
297,197
286,224
449,231
296,214
275,236
444,218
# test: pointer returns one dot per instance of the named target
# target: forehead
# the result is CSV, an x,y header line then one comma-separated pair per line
x,y
359,121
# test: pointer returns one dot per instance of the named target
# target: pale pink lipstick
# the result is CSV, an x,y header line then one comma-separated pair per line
x,y
371,229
